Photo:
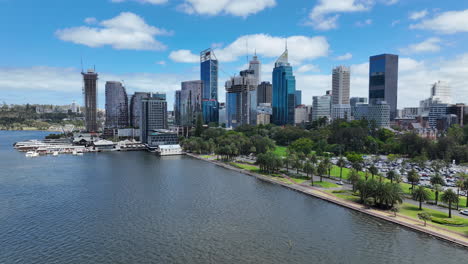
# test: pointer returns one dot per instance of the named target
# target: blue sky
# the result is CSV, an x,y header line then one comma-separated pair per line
x,y
153,44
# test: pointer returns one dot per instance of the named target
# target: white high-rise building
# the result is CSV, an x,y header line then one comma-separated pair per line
x,y
341,85
256,67
440,91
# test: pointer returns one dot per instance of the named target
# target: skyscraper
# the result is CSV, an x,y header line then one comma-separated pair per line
x,y
242,99
383,81
153,115
298,97
90,100
284,91
255,66
116,105
135,108
340,84
264,93
190,102
209,77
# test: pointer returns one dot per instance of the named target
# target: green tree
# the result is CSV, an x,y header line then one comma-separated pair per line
x,y
460,185
309,169
302,145
425,217
413,177
297,163
437,188
328,165
465,188
449,197
321,169
391,175
199,126
341,163
373,170
354,177
421,194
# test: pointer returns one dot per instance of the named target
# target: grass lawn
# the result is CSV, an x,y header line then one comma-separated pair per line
x,y
346,195
281,151
413,210
207,156
251,168
325,184
299,180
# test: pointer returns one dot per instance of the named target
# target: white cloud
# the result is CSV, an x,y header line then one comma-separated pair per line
x,y
163,63
364,23
428,45
125,31
418,14
153,2
324,16
308,68
53,85
90,20
395,22
346,56
242,8
184,56
446,23
300,48
389,2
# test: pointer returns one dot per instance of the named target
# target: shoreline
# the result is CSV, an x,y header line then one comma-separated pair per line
x,y
413,224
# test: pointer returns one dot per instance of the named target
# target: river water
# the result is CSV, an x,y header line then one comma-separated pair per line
x,y
134,207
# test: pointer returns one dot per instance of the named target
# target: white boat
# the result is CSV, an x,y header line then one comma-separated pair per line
x,y
79,153
74,153
55,153
32,154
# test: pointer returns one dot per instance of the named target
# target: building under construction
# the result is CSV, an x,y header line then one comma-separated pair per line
x,y
90,99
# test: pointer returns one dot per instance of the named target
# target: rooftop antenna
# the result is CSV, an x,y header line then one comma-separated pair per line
x,y
247,49
286,41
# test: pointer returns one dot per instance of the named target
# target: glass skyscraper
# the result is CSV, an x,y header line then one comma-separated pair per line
x,y
383,81
209,77
284,91
116,105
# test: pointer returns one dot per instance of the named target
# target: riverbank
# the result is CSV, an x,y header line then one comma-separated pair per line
x,y
417,225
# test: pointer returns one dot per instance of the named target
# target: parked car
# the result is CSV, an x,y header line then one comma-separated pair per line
x,y
464,212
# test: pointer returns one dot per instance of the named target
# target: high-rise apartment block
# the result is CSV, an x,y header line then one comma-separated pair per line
x,y
341,85
264,93
135,108
153,115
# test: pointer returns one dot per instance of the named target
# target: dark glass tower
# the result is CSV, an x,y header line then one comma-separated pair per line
x,y
383,81
284,91
116,105
209,77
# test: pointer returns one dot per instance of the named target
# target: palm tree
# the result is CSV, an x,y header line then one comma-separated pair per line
x,y
328,165
341,163
437,188
390,194
413,177
373,170
460,185
425,217
354,177
437,179
313,158
421,194
465,188
357,166
321,169
391,175
310,169
449,197
297,163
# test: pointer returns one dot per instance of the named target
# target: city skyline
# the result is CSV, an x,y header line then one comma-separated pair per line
x,y
429,46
